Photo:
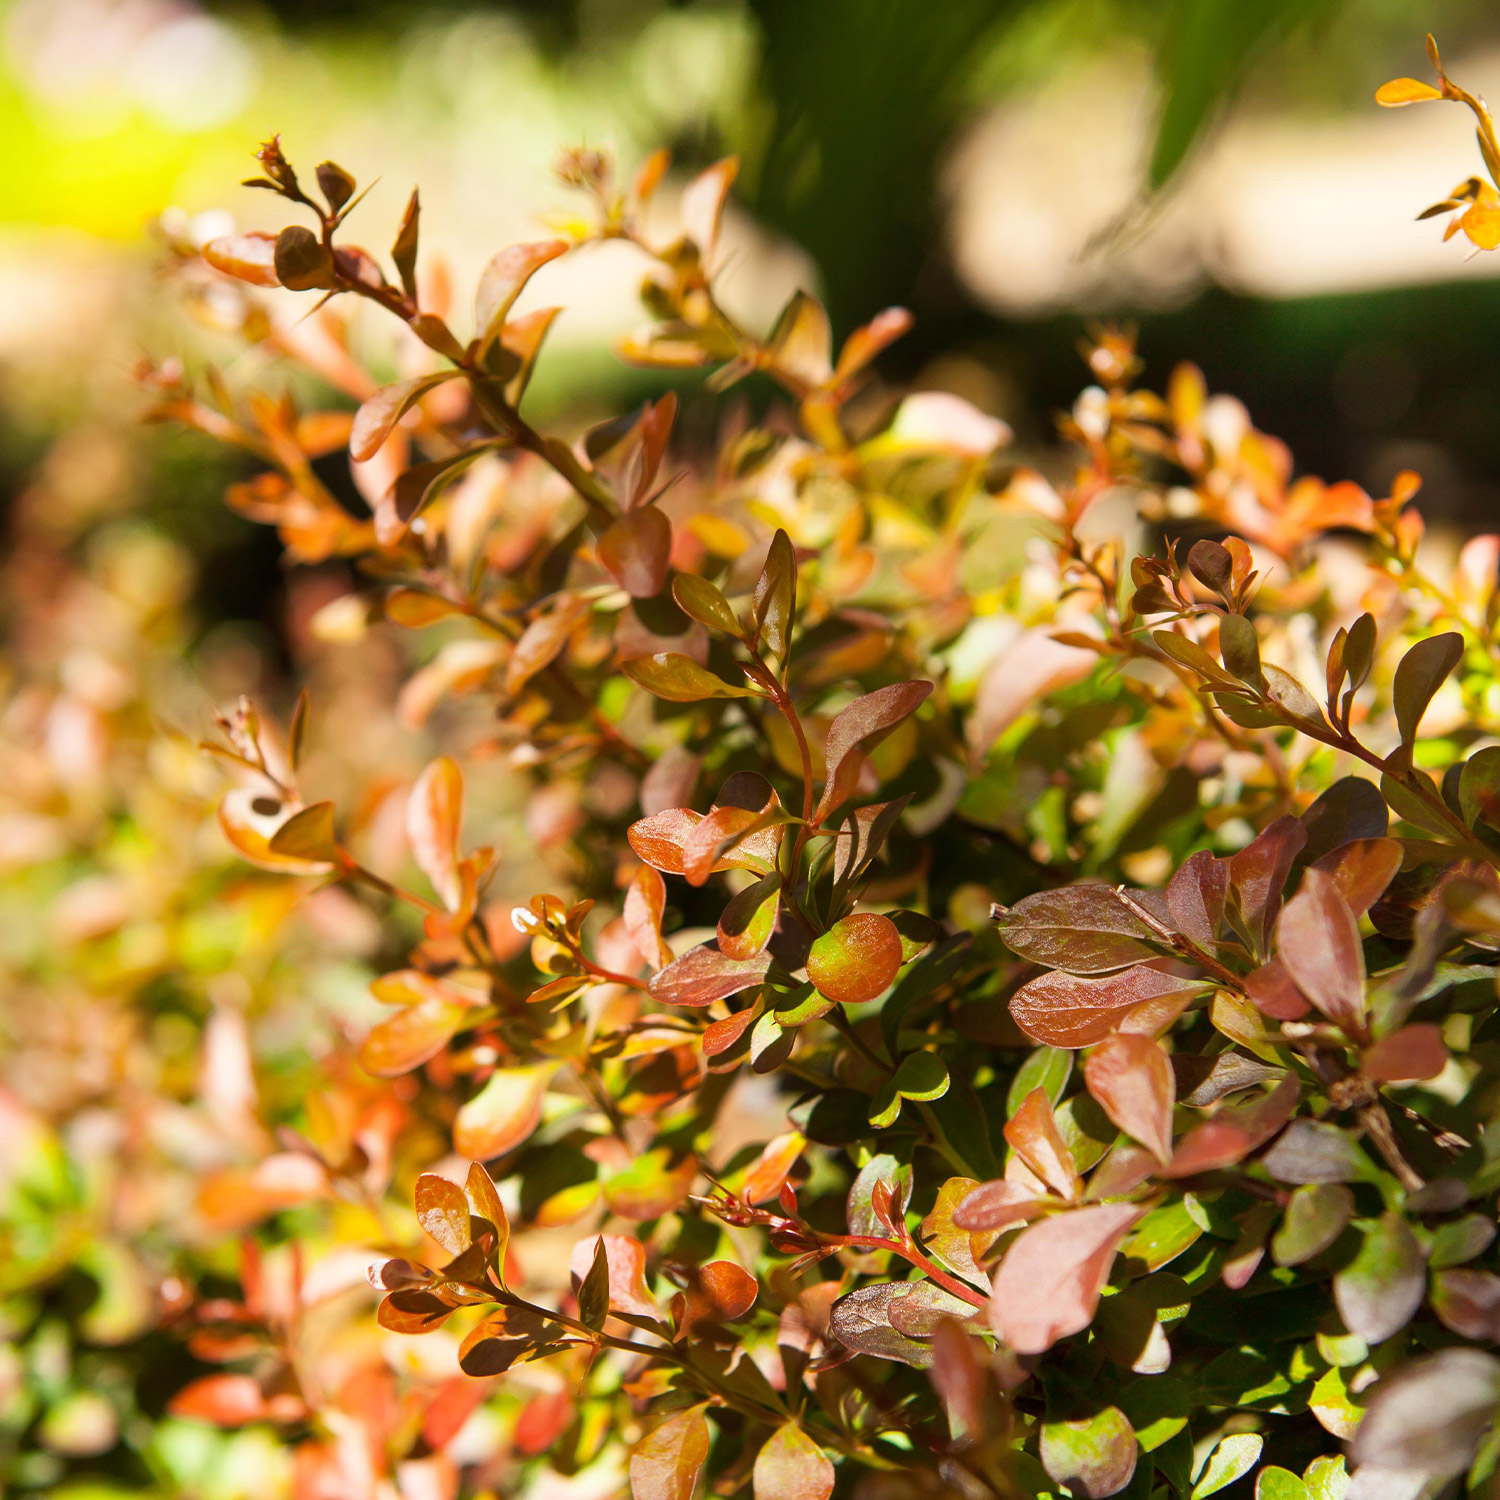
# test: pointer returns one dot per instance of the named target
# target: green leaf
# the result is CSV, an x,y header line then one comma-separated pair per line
x,y
1316,1215
1326,1478
1380,1290
1093,1457
1233,1457
1479,787
679,679
922,1076
1158,1409
1046,1068
1422,671
593,1291
1208,47
1280,1484
1240,647
775,596
702,601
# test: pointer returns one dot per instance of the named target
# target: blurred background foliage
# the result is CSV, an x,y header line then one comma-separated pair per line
x,y
1000,166
1006,168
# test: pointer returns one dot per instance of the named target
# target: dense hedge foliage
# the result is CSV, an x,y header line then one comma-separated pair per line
x,y
902,972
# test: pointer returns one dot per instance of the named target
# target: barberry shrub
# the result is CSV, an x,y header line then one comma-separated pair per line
x,y
1014,1010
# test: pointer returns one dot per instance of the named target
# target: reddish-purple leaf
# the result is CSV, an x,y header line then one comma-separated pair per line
x,y
1413,1052
856,959
858,729
625,1257
1132,1079
1083,929
1063,1010
655,428
413,1310
1468,1302
703,975
662,839
667,1461
720,832
993,1205
720,1036
1234,1133
720,1292
645,906
636,549
1049,1283
1425,1419
1362,869
506,1335
1274,992
225,1400
1318,941
1195,897
1033,1135
1257,876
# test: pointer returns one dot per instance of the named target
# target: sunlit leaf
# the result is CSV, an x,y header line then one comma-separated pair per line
x,y
1420,673
679,679
1083,929
703,975
1049,1282
1131,1078
502,282
374,421
1065,1010
1093,1456
665,1464
856,959
434,814
503,1113
858,729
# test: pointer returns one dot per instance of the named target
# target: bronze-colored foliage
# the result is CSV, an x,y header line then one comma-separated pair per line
x,y
1113,935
